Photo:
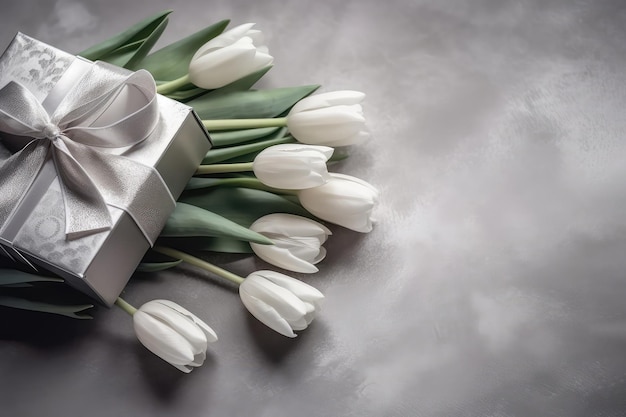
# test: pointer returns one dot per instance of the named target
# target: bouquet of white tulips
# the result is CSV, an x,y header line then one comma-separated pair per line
x,y
263,189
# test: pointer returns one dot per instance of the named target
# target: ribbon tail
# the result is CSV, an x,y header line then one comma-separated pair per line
x,y
146,198
129,185
86,211
17,173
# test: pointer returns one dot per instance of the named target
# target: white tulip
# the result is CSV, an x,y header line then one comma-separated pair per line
x,y
173,333
292,166
229,57
282,303
343,200
332,119
297,241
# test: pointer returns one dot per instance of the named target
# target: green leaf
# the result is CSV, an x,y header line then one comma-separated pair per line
x,y
172,62
72,311
241,84
189,220
196,183
130,55
13,276
157,266
236,137
242,205
183,95
250,104
134,63
210,244
138,33
222,154
249,157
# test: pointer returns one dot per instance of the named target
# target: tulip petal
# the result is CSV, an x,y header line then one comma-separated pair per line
x,y
336,126
297,241
320,256
224,39
257,37
289,174
293,166
161,340
219,54
290,225
331,116
222,66
299,324
308,317
283,258
184,368
334,119
310,307
358,138
286,303
208,331
180,324
229,57
357,180
306,248
261,60
332,98
198,359
298,148
303,291
344,200
266,314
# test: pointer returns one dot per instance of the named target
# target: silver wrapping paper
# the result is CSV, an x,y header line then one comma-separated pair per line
x,y
99,264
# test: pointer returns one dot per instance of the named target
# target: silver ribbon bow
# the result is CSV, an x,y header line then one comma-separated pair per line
x,y
90,178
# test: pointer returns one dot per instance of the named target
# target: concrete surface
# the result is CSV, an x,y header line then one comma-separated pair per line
x,y
493,284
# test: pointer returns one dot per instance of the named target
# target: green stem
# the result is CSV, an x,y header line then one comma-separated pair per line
x,y
199,263
253,183
171,86
121,303
224,168
236,124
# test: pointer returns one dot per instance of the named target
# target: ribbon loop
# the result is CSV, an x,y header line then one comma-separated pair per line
x,y
106,108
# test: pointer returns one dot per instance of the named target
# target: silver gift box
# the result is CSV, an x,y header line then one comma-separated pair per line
x,y
100,264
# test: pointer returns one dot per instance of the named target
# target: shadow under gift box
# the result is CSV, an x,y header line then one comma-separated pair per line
x,y
99,264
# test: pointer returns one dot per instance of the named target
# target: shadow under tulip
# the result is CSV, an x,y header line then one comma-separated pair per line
x,y
275,347
165,381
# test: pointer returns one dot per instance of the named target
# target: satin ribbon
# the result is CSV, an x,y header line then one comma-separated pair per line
x,y
90,178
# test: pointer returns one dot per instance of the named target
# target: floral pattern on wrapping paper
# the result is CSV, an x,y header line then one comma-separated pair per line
x,y
33,63
44,234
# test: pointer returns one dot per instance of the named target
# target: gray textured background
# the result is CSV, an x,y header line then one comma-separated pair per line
x,y
493,284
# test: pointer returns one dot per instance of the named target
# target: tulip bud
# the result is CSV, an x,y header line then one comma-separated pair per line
x,y
331,119
229,57
280,302
297,241
292,166
173,334
343,200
